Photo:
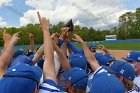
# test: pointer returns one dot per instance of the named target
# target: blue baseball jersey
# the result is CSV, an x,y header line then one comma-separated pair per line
x,y
49,86
101,81
133,90
137,81
98,71
74,49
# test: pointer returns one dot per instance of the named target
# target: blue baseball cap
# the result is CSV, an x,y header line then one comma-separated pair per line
x,y
77,60
109,56
18,52
20,78
22,59
31,56
106,83
103,60
133,56
92,45
123,69
40,62
77,77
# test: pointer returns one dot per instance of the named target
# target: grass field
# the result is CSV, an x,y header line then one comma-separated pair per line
x,y
110,46
119,46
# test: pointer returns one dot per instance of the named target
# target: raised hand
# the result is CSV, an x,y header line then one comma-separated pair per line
x,y
31,36
44,23
49,65
53,35
32,45
7,53
65,33
77,38
6,37
57,34
15,38
102,47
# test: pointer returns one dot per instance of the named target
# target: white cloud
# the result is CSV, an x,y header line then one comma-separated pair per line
x,y
95,13
3,24
5,2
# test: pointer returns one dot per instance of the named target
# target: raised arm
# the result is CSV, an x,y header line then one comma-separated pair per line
x,y
64,48
65,36
31,39
74,49
6,39
89,55
64,63
102,47
38,54
49,66
7,54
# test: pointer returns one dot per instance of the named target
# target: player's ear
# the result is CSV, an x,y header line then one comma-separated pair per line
x,y
121,78
35,91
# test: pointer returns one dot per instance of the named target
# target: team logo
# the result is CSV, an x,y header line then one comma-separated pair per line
x,y
122,71
138,58
128,55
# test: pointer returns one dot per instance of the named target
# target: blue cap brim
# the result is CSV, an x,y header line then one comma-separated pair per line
x,y
17,85
109,69
22,59
128,59
38,72
92,47
25,82
66,74
74,78
111,59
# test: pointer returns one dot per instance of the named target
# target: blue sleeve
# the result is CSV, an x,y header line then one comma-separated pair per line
x,y
74,49
61,41
49,86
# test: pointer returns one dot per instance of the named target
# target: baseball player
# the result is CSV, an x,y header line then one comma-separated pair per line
x,y
101,81
134,58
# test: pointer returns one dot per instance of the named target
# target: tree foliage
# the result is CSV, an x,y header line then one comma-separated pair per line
x,y
129,25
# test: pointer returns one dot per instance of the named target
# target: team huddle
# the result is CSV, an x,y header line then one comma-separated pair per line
x,y
57,66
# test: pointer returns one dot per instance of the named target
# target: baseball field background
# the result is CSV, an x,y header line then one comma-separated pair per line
x,y
118,48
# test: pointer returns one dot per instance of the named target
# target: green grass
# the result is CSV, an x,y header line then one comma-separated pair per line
x,y
119,46
110,46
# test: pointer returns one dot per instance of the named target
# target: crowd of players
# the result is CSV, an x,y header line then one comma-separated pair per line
x,y
59,67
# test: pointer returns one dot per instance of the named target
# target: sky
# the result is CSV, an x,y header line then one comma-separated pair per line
x,y
99,14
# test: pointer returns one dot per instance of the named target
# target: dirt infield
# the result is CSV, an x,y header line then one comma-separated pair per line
x,y
118,54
